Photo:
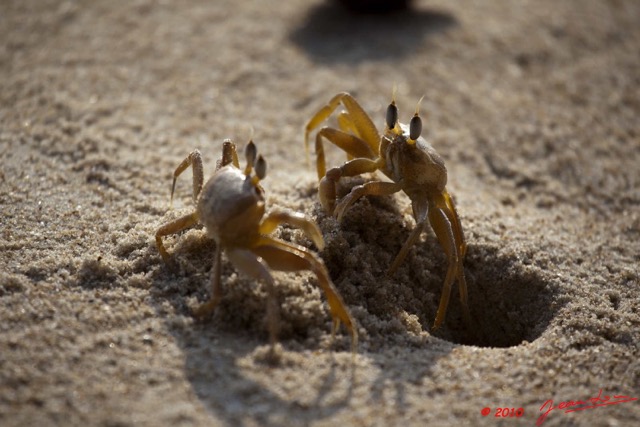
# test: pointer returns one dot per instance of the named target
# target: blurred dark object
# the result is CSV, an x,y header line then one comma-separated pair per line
x,y
375,6
330,33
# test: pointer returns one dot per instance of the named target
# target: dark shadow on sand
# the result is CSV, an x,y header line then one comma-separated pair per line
x,y
332,34
214,349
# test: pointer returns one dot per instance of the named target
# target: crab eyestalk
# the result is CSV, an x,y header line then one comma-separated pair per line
x,y
250,153
415,129
415,125
261,169
392,115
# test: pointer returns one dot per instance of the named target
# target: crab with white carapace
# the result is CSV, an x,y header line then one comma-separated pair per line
x,y
231,206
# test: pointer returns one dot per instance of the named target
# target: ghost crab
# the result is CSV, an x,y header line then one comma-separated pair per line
x,y
412,165
231,207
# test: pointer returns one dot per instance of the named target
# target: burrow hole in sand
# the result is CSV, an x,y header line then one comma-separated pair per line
x,y
509,302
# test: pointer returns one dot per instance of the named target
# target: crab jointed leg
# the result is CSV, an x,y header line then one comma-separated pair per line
x,y
355,120
194,159
207,308
174,227
351,144
273,219
327,187
289,257
371,188
229,155
445,224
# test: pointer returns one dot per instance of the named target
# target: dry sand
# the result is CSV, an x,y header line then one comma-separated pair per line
x,y
533,104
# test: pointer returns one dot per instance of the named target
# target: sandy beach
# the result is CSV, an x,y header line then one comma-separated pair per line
x,y
534,108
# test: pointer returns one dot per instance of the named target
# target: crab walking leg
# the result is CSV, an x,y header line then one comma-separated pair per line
x,y
273,219
460,243
229,155
193,159
289,257
255,267
420,208
452,214
353,145
174,227
372,188
327,186
442,227
408,244
361,121
206,309
346,125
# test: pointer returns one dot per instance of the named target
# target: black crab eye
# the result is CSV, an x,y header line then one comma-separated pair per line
x,y
415,127
261,167
392,115
250,152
